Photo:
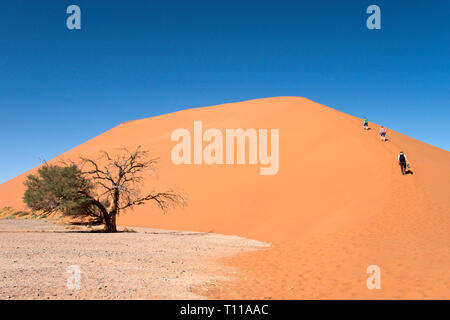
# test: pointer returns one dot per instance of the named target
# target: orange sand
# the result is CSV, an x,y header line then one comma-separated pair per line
x,y
337,205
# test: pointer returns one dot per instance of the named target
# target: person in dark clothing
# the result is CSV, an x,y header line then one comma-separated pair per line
x,y
402,161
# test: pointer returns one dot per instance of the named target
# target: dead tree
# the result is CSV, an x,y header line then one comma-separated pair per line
x,y
118,180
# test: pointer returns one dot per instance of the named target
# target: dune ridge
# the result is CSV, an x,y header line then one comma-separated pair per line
x,y
337,205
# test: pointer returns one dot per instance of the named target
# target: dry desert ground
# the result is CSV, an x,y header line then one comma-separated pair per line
x,y
143,264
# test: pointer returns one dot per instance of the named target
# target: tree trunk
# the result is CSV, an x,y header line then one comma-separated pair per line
x,y
110,223
109,219
113,222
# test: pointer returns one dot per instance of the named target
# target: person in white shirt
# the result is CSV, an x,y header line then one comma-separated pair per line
x,y
383,133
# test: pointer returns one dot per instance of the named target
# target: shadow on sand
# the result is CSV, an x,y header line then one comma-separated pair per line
x,y
173,233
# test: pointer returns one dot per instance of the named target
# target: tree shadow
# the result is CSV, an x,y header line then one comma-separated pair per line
x,y
86,224
173,233
90,231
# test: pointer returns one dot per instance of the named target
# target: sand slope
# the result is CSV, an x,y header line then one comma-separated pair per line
x,y
337,205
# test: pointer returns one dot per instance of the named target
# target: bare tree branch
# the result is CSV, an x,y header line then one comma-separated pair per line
x,y
119,181
164,200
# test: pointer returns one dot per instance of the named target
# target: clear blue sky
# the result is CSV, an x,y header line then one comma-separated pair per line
x,y
136,59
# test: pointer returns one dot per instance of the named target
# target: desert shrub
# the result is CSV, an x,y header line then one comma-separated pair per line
x,y
98,190
6,211
21,213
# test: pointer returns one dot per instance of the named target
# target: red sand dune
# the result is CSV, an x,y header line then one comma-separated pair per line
x,y
337,205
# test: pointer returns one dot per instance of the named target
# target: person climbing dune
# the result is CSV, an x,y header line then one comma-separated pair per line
x,y
366,123
383,133
403,162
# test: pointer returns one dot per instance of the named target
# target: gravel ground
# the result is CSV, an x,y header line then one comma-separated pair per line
x,y
38,259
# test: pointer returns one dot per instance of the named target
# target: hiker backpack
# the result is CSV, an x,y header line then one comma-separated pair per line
x,y
402,158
